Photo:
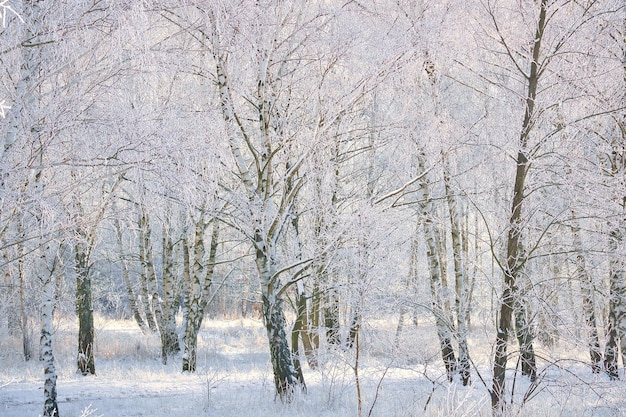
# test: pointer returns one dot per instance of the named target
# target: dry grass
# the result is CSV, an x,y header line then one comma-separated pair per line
x,y
234,377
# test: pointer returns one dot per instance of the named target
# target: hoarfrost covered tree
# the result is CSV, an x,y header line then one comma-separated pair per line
x,y
538,68
198,274
49,276
268,215
267,87
511,301
44,162
435,128
612,143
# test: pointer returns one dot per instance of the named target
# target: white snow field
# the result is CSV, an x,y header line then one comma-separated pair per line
x,y
234,378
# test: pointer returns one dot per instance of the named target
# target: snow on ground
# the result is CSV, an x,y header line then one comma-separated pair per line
x,y
234,379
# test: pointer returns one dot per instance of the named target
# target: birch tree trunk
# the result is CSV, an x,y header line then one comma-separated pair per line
x,y
199,281
25,89
171,296
286,380
162,297
442,320
267,216
460,274
25,322
132,301
144,276
50,407
409,284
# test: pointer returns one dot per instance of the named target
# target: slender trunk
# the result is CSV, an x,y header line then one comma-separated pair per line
x,y
25,325
11,297
147,258
409,285
514,259
144,277
132,302
439,236
84,309
442,320
616,329
298,329
199,281
524,336
301,327
331,315
586,290
310,349
50,407
460,274
316,305
170,284
355,325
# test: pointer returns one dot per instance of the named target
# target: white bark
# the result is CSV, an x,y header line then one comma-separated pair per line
x,y
46,269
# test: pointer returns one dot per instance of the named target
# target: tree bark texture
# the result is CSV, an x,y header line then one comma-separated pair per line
x,y
198,286
460,274
50,407
170,302
84,309
442,320
286,380
144,276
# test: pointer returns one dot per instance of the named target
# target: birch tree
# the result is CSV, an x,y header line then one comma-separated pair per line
x,y
198,275
267,216
259,128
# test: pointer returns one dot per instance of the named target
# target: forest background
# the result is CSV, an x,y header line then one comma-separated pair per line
x,y
323,165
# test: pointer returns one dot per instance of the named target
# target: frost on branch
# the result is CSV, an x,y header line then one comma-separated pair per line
x,y
5,8
3,109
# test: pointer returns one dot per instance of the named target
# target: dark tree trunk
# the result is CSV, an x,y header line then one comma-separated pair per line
x,y
84,309
295,345
331,317
524,339
589,313
286,380
616,327
514,261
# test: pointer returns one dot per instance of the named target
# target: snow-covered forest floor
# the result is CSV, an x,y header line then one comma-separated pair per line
x,y
234,378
